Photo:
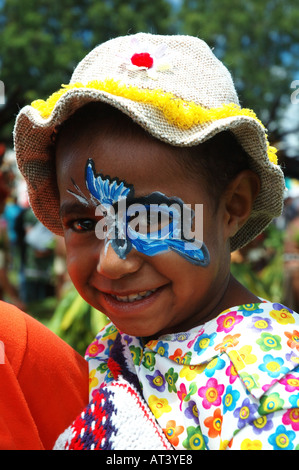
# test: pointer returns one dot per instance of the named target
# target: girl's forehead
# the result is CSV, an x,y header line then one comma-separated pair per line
x,y
130,155
137,159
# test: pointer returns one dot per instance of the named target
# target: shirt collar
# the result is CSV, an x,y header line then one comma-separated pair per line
x,y
232,333
209,340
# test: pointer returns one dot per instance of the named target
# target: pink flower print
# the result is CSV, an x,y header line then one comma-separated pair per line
x,y
211,393
231,373
190,344
227,322
291,383
95,348
292,417
267,386
182,393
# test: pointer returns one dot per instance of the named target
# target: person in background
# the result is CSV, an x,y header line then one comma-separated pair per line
x,y
11,212
8,290
291,246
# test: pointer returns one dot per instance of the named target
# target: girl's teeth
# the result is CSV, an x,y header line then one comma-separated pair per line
x,y
133,297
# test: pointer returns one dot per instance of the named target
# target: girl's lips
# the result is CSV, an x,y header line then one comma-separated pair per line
x,y
130,302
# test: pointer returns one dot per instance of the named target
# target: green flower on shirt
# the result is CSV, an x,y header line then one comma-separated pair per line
x,y
171,378
268,341
149,360
110,331
136,354
103,367
195,439
250,380
270,403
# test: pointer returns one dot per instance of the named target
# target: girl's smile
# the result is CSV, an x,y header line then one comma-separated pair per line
x,y
134,303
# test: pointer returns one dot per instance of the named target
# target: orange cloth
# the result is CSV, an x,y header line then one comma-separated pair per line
x,y
43,383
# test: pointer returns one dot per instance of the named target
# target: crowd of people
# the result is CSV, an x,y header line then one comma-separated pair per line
x,y
32,264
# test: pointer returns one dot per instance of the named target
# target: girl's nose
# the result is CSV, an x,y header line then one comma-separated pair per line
x,y
112,266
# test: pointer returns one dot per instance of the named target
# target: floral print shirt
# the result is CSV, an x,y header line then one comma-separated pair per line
x,y
232,383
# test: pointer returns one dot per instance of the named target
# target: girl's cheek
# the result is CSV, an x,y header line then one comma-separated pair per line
x,y
75,267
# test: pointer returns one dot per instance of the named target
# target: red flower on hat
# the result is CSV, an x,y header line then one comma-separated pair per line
x,y
147,57
144,59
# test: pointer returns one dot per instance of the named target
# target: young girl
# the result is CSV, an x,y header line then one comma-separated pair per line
x,y
121,161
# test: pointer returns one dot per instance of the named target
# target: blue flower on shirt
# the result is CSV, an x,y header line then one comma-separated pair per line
x,y
203,342
162,348
110,343
230,399
250,309
273,366
216,364
262,423
294,400
282,439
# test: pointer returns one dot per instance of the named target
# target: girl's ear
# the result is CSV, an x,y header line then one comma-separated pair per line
x,y
239,197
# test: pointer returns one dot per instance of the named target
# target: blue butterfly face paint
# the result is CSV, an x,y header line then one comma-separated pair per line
x,y
151,224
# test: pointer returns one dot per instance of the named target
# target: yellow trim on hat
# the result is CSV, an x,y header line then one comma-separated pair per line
x,y
181,113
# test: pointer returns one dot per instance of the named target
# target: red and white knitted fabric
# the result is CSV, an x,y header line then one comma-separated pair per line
x,y
117,418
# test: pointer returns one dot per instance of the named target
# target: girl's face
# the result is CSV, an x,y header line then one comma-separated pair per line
x,y
142,295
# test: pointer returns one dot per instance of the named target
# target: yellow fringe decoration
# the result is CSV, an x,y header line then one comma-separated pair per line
x,y
181,113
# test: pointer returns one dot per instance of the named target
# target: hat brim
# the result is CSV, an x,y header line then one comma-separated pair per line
x,y
35,154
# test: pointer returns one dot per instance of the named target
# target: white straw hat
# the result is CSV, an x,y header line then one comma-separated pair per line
x,y
172,86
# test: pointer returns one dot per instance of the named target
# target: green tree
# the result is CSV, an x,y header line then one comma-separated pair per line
x,y
43,40
258,40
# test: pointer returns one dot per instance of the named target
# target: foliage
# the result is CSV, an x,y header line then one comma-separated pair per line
x,y
264,277
75,321
43,40
258,40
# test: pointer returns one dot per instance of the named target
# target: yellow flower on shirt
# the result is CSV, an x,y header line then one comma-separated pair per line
x,y
190,372
158,406
93,381
242,357
282,316
247,444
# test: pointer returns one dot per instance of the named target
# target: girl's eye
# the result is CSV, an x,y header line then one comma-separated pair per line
x,y
82,225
